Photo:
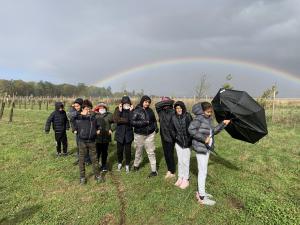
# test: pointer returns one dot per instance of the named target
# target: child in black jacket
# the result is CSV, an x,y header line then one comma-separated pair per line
x,y
87,128
60,124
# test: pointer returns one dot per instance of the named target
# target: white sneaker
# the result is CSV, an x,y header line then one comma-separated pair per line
x,y
208,195
205,201
119,166
127,169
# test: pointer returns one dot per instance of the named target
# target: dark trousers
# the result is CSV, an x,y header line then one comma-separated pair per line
x,y
61,139
87,156
90,147
102,150
121,148
169,155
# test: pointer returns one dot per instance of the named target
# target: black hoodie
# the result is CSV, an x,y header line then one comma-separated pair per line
x,y
180,125
143,120
59,119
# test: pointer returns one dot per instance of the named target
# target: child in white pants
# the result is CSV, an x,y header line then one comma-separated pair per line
x,y
203,132
179,125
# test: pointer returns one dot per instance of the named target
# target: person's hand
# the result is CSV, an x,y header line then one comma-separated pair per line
x,y
120,107
110,132
75,132
98,132
131,107
226,122
156,130
207,140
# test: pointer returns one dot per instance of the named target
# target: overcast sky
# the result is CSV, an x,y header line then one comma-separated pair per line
x,y
86,41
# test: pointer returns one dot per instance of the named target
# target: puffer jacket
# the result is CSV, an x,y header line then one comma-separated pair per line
x,y
180,125
201,128
106,123
58,119
86,127
144,120
165,112
124,130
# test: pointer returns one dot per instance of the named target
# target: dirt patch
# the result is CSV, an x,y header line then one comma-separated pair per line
x,y
120,193
236,203
108,219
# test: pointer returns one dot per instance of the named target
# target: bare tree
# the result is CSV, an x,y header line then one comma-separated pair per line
x,y
202,87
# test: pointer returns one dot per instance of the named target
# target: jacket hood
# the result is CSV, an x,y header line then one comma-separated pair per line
x,y
126,100
197,109
100,104
58,105
79,101
182,105
145,98
164,104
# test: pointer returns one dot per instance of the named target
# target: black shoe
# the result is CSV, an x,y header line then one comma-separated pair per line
x,y
153,174
99,179
104,168
65,154
82,181
136,168
58,154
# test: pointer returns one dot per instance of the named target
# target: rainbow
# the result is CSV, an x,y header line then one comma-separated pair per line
x,y
188,60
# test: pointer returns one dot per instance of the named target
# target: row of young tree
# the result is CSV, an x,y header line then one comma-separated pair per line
x,y
44,88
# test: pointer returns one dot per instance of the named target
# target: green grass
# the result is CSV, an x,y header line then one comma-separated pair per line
x,y
252,184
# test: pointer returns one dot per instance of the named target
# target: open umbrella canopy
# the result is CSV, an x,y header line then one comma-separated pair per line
x,y
248,120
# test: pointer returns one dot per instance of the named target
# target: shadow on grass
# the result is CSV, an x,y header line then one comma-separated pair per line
x,y
215,159
20,216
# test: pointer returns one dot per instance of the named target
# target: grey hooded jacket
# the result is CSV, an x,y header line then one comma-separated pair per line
x,y
200,129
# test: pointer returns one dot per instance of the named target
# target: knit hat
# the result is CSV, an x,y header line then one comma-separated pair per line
x,y
100,104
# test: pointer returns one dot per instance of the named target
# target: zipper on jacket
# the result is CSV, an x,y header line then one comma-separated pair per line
x,y
90,128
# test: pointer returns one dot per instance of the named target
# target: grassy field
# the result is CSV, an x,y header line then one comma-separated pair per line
x,y
252,184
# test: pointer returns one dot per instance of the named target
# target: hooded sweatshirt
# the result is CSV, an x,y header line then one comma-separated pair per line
x,y
201,128
144,120
180,125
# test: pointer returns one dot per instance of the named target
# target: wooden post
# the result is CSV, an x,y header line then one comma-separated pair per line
x,y
2,109
11,113
273,105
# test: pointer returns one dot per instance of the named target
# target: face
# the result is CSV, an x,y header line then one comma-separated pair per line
x,y
126,106
146,104
178,110
77,107
102,110
208,112
88,109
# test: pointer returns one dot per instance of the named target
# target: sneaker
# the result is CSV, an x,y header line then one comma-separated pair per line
x,y
127,169
205,200
136,168
153,174
58,154
82,181
208,195
119,166
169,175
178,182
65,154
99,179
184,184
104,168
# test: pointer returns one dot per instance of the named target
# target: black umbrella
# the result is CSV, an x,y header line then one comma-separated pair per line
x,y
248,120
